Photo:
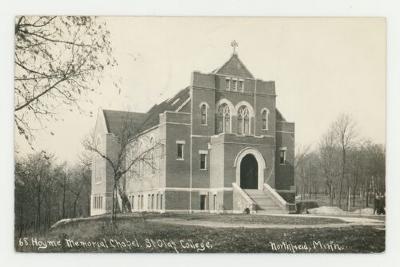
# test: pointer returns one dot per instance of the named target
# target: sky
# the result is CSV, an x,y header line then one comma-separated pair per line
x,y
322,67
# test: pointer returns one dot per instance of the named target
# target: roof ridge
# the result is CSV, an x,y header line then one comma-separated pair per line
x,y
235,55
156,109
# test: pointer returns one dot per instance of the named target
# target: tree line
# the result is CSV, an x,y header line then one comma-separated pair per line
x,y
342,170
46,191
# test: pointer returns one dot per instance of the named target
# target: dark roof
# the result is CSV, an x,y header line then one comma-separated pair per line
x,y
170,104
141,121
115,119
234,66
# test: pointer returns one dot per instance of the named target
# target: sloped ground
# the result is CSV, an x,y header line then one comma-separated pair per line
x,y
136,233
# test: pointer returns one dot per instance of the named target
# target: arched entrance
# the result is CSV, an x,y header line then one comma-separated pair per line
x,y
250,167
249,172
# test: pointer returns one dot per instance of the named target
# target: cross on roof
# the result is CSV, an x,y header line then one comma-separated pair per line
x,y
234,44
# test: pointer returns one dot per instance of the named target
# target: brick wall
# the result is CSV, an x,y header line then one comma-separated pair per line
x,y
285,172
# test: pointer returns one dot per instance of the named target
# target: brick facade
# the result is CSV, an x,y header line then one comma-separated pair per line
x,y
218,120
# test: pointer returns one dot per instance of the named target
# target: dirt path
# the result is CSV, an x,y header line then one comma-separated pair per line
x,y
347,222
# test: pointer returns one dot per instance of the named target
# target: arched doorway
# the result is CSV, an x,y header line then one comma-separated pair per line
x,y
249,172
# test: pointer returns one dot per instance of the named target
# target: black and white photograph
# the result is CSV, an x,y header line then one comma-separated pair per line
x,y
141,134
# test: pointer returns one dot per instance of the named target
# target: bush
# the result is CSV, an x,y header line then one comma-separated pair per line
x,y
304,205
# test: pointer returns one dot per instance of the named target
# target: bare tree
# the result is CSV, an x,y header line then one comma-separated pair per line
x,y
33,184
79,188
57,60
128,152
344,129
300,169
328,154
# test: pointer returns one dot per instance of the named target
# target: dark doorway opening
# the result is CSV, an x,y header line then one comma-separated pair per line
x,y
202,202
249,172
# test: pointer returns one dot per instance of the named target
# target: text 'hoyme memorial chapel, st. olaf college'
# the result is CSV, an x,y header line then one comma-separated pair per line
x,y
223,147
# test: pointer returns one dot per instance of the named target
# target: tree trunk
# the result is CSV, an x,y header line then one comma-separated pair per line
x,y
343,174
331,195
126,205
75,203
113,205
348,198
355,192
63,199
38,206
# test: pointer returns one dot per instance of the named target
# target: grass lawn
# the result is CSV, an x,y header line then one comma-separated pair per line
x,y
257,219
137,234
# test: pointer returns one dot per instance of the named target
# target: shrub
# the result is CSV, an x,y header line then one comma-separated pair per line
x,y
304,205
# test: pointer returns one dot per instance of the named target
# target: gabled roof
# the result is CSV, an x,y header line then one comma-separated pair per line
x,y
170,104
142,121
115,119
235,67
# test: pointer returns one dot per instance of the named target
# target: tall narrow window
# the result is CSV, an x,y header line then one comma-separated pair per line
x,y
241,85
161,201
243,121
223,119
203,161
228,84
179,150
282,156
203,111
234,85
246,124
219,124
240,123
264,115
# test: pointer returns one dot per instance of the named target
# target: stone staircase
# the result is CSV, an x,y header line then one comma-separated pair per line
x,y
264,202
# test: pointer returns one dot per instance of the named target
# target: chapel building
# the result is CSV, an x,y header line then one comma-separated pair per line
x,y
223,147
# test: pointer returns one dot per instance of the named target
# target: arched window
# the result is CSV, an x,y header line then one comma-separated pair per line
x,y
243,121
223,119
264,117
203,114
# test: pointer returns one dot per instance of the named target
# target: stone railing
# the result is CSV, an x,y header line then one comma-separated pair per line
x,y
278,199
241,201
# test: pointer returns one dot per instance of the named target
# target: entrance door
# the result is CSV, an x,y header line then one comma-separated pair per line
x,y
202,202
249,172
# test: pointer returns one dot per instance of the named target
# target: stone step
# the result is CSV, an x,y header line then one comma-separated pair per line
x,y
265,204
262,197
269,206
